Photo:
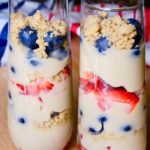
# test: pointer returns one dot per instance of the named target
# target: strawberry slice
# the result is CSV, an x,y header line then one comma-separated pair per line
x,y
20,86
45,86
122,96
35,87
86,85
66,71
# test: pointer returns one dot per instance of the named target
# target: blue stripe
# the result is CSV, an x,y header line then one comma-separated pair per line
x,y
19,5
3,40
38,8
3,6
53,4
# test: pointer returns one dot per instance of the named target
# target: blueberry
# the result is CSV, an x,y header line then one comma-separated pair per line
x,y
54,114
34,63
13,70
28,37
102,44
102,119
9,95
92,130
127,128
59,54
54,42
22,120
10,48
81,113
139,30
136,52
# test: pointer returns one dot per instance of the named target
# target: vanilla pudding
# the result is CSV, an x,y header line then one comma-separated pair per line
x,y
112,98
40,108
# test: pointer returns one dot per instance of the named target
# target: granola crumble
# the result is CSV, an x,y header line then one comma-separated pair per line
x,y
41,25
118,30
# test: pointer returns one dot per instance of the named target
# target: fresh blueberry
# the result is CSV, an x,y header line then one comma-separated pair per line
x,y
54,42
92,130
22,120
139,30
59,54
54,114
127,128
102,44
9,95
34,63
28,37
102,119
136,52
10,48
81,113
13,70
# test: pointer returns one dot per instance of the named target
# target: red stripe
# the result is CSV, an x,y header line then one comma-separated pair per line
x,y
120,12
75,27
147,17
50,16
134,14
102,4
77,8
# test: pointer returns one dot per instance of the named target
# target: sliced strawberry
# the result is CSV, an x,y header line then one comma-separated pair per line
x,y
32,90
66,71
86,85
122,96
46,86
20,86
102,103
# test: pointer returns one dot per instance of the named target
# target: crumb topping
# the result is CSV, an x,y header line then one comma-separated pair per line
x,y
61,119
41,25
118,30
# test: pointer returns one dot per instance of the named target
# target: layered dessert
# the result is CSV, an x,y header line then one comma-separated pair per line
x,y
112,102
40,109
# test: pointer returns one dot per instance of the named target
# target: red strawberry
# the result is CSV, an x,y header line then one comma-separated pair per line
x,y
35,87
86,85
20,86
45,86
122,96
106,93
66,71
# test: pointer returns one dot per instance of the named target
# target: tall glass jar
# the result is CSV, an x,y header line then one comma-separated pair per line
x,y
39,91
112,101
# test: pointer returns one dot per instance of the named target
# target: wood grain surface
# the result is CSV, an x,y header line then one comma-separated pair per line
x,y
5,141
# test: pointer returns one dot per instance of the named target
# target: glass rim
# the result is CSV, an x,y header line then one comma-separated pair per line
x,y
106,9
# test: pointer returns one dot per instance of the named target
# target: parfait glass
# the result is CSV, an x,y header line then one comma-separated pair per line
x,y
39,89
112,98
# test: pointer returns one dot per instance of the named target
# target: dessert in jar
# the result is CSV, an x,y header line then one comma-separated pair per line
x,y
112,100
39,91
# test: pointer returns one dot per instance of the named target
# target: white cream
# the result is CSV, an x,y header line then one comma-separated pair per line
x,y
27,136
117,115
132,141
115,67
